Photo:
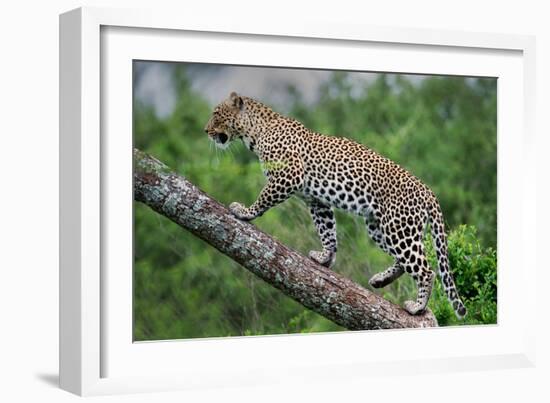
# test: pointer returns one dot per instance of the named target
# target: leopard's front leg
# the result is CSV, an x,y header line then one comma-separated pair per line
x,y
283,180
241,212
323,217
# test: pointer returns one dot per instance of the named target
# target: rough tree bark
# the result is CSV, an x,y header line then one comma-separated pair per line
x,y
316,287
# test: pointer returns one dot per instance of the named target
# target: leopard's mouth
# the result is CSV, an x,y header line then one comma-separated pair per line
x,y
221,138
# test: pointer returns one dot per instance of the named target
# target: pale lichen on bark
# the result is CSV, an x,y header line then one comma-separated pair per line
x,y
316,287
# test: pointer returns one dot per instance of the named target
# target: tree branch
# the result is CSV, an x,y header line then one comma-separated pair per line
x,y
316,287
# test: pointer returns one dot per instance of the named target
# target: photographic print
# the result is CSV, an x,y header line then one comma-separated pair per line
x,y
347,200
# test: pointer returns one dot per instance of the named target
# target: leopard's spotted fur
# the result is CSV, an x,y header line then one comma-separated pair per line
x,y
328,172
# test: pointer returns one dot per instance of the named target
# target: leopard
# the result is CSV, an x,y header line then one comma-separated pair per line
x,y
329,172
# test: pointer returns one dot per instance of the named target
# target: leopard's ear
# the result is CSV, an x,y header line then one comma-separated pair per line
x,y
236,101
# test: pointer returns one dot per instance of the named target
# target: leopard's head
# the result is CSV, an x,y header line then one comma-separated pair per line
x,y
225,124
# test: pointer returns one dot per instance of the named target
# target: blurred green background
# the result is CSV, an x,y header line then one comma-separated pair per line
x,y
442,129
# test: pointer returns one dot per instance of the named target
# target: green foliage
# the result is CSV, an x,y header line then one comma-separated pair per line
x,y
443,129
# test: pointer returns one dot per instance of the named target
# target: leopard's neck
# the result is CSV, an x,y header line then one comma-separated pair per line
x,y
255,122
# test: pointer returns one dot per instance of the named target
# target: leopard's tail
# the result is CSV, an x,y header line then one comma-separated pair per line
x,y
440,245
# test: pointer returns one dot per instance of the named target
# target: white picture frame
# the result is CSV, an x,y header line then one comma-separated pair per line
x,y
96,354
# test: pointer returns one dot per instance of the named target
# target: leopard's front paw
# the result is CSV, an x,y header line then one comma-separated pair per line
x,y
324,258
240,211
413,307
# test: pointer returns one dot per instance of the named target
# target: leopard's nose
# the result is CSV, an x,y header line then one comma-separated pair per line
x,y
206,130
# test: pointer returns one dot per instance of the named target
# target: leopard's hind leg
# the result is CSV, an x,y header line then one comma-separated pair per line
x,y
387,276
417,266
393,272
404,243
